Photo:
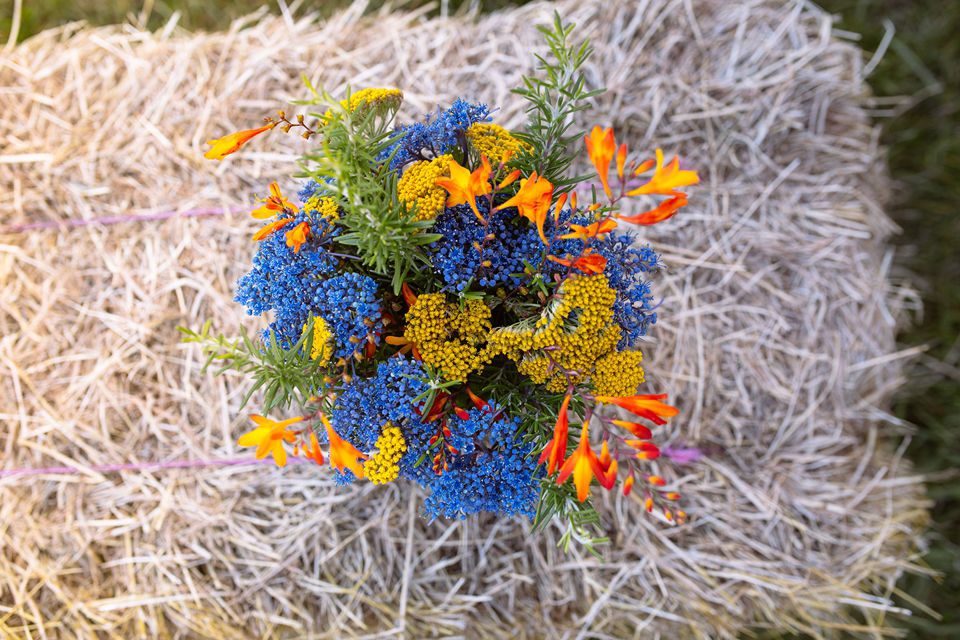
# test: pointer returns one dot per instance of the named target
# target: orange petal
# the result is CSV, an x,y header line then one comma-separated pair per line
x,y
562,200
621,159
666,209
226,145
297,236
270,228
647,406
665,179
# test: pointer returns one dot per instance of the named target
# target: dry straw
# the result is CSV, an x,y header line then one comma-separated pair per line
x,y
776,341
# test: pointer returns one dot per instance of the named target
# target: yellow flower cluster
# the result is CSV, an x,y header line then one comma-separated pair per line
x,y
418,185
375,98
362,102
322,340
322,207
617,374
449,337
383,467
580,323
493,141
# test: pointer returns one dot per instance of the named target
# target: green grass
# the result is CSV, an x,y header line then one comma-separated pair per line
x,y
924,156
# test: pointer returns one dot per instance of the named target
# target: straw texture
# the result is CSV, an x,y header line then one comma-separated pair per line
x,y
776,340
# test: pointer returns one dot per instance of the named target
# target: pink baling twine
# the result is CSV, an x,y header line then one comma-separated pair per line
x,y
681,455
143,466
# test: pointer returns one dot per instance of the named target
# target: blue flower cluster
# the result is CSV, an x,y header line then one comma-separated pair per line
x,y
349,305
312,188
455,256
492,470
284,281
626,266
436,135
503,480
365,405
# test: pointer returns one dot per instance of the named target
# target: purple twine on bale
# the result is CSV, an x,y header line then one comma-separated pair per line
x,y
135,217
135,466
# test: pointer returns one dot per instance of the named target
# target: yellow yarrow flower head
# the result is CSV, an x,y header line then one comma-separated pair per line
x,y
493,141
322,207
384,466
361,103
418,186
322,345
579,325
617,374
449,337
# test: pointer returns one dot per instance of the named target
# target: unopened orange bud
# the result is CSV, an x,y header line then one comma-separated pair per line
x,y
656,480
672,496
628,485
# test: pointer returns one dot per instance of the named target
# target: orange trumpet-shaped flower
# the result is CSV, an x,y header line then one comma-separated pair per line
x,y
666,209
648,406
561,200
399,341
297,236
270,228
597,228
637,429
226,145
609,468
477,401
621,159
269,437
645,450
533,200
583,464
510,179
408,295
556,449
588,262
273,203
313,451
465,187
343,455
665,180
600,148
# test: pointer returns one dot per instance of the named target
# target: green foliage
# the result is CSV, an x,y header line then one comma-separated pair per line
x,y
561,502
554,96
288,376
381,230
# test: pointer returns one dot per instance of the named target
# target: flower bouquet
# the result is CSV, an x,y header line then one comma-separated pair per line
x,y
444,304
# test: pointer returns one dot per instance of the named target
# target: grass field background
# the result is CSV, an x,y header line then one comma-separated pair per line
x,y
923,46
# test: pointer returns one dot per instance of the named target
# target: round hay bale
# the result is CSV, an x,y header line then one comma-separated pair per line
x,y
776,340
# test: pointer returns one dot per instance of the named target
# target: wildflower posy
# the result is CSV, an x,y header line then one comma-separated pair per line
x,y
446,310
